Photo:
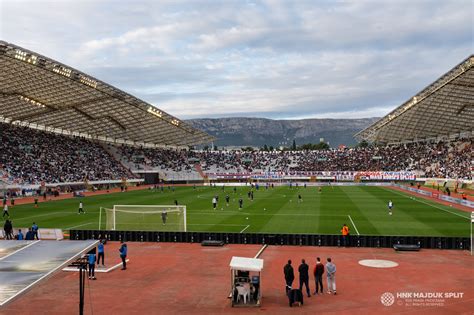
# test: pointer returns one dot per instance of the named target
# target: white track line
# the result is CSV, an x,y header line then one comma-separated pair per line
x,y
261,251
399,193
245,228
353,224
97,269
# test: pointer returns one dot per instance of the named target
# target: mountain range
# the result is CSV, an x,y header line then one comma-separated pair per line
x,y
256,132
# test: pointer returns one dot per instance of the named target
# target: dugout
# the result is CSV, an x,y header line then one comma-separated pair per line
x,y
246,289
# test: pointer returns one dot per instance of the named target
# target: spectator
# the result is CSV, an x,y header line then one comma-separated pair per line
x,y
303,270
331,276
318,276
20,235
29,235
289,275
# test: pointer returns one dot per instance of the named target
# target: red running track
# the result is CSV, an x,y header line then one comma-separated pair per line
x,y
176,278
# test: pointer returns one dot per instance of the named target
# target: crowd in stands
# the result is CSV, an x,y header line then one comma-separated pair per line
x,y
441,159
33,156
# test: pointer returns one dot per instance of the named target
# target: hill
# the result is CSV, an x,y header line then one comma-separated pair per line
x,y
244,131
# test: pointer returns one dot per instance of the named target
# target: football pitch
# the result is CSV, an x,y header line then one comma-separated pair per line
x,y
278,210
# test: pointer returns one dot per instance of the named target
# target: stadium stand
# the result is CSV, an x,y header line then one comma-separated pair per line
x,y
33,156
444,159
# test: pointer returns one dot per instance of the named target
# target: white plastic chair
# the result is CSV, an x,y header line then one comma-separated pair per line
x,y
243,291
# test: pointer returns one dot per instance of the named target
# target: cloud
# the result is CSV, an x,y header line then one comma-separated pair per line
x,y
275,59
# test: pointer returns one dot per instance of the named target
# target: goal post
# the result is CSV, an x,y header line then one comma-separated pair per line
x,y
143,218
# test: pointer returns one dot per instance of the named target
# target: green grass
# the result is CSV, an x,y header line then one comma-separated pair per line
x,y
319,213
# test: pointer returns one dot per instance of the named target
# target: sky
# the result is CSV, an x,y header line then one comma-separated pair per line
x,y
275,59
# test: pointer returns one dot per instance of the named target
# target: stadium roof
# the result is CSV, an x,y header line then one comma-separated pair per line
x,y
444,108
41,93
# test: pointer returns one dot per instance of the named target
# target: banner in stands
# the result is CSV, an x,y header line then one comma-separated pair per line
x,y
320,175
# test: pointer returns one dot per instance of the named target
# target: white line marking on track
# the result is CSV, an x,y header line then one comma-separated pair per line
x,y
245,228
353,224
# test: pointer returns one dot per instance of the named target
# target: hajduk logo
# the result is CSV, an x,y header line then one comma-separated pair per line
x,y
387,299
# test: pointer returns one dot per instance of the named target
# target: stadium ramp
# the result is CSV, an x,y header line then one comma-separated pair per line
x,y
23,264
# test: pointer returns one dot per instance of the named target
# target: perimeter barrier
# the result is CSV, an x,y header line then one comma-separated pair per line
x,y
427,242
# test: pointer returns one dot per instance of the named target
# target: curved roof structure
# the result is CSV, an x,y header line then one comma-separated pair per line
x,y
444,108
39,92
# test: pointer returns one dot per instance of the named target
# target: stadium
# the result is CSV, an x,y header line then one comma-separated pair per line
x,y
83,163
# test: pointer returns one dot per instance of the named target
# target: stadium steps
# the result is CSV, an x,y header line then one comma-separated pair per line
x,y
114,153
198,168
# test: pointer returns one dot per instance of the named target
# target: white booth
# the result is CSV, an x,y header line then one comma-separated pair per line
x,y
246,284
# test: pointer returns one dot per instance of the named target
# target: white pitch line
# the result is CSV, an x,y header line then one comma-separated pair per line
x,y
399,193
245,228
353,224
76,226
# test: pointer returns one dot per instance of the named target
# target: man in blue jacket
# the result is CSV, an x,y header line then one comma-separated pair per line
x,y
123,255
20,235
92,265
100,250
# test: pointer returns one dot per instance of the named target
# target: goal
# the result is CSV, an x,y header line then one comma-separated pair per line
x,y
143,218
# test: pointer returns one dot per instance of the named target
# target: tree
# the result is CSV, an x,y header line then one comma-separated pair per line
x,y
293,147
363,144
321,146
271,148
265,148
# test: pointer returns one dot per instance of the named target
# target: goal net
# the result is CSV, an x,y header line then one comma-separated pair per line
x,y
143,218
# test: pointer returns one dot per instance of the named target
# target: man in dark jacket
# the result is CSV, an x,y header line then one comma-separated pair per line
x,y
304,276
289,275
318,275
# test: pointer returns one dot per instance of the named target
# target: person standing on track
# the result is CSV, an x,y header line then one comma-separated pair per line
x,y
100,251
331,276
345,234
318,276
92,265
289,275
241,202
123,255
303,270
34,229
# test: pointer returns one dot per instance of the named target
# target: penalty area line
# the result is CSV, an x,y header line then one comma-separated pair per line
x,y
245,228
353,224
